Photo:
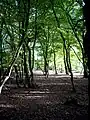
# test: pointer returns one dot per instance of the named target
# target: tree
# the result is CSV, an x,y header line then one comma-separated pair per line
x,y
64,42
86,41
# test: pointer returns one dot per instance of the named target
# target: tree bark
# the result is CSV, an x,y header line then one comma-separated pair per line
x,y
17,76
55,63
1,42
70,70
27,81
65,63
87,44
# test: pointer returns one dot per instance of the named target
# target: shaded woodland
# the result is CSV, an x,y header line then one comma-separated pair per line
x,y
44,60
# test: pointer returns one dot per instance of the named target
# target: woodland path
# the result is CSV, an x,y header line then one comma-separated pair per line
x,y
47,101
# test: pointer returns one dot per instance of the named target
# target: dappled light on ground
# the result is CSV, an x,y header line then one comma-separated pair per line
x,y
7,106
56,84
39,92
27,96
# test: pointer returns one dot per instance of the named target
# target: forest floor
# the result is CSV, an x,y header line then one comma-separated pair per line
x,y
48,102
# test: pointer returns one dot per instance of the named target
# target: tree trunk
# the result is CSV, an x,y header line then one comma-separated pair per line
x,y
30,66
27,81
65,63
55,63
1,66
1,42
70,70
85,68
87,44
85,64
17,76
35,34
45,63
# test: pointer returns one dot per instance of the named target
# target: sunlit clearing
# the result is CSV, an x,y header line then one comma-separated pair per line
x,y
7,106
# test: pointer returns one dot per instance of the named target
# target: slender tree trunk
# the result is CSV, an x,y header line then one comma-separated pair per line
x,y
68,62
70,70
17,75
22,69
30,66
1,42
45,63
65,63
46,54
27,81
1,66
55,63
31,62
35,33
45,67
